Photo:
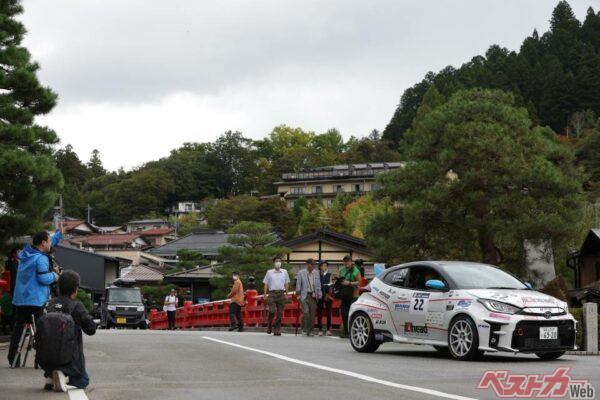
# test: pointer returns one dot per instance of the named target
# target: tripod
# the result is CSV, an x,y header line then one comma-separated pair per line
x,y
25,345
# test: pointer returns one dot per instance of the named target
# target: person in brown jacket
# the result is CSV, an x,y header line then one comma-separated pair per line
x,y
236,294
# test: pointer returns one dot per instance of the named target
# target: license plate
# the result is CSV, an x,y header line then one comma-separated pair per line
x,y
548,333
121,320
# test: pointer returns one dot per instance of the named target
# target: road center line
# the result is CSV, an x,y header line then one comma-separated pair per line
x,y
344,372
77,394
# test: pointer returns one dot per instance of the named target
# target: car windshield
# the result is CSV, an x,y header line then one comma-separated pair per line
x,y
125,295
479,276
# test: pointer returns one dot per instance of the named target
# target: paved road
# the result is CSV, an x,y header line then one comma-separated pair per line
x,y
188,365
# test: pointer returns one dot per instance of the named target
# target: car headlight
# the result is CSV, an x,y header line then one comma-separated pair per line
x,y
499,306
111,308
140,308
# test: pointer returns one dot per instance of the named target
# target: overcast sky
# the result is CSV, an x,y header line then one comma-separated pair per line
x,y
137,78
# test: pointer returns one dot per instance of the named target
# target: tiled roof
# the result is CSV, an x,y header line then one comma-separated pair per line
x,y
72,224
157,232
205,242
142,273
99,240
148,221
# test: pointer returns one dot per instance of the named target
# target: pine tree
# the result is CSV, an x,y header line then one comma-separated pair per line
x,y
29,179
94,166
250,252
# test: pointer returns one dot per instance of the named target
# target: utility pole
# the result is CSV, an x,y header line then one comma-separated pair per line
x,y
89,209
59,213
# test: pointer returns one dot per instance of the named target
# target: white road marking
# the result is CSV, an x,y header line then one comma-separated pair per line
x,y
77,394
344,372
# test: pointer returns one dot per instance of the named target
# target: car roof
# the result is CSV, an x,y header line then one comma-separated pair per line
x,y
443,263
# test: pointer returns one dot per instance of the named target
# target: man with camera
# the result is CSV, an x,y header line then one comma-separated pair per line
x,y
32,287
348,281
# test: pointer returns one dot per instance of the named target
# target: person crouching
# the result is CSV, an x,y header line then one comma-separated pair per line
x,y
60,328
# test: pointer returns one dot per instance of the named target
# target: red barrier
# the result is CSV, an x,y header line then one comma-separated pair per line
x,y
216,313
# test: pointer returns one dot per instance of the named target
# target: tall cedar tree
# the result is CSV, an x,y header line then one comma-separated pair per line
x,y
29,179
553,76
481,180
250,252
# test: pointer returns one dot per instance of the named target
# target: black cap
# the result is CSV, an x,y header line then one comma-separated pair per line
x,y
347,257
310,261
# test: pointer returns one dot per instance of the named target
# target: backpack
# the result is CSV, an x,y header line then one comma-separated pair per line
x,y
55,337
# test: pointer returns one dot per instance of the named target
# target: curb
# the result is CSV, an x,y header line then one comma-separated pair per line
x,y
583,353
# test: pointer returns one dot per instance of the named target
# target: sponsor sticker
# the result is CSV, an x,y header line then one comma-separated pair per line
x,y
558,384
420,295
401,307
463,304
503,317
449,307
434,318
483,326
380,322
376,316
419,305
417,329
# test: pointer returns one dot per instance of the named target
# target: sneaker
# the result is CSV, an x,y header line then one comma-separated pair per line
x,y
231,328
49,385
60,381
320,333
328,333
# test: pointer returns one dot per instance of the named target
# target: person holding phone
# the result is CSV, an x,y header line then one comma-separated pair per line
x,y
170,306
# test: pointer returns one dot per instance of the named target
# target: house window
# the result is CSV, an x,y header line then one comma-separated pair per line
x,y
358,187
339,188
317,189
298,190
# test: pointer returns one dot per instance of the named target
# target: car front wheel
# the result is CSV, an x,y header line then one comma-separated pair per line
x,y
362,335
463,339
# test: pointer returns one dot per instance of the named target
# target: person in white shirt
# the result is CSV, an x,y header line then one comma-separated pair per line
x,y
276,285
171,307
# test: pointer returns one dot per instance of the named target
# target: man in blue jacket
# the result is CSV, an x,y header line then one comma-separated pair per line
x,y
32,287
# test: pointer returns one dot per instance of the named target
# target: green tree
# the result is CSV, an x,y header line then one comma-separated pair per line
x,y
94,165
250,251
75,175
187,223
29,179
481,180
189,259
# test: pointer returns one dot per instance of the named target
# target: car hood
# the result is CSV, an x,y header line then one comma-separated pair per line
x,y
518,298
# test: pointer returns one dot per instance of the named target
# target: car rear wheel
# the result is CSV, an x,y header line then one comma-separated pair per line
x,y
362,335
463,339
550,356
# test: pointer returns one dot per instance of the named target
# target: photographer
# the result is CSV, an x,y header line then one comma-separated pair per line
x,y
348,276
32,285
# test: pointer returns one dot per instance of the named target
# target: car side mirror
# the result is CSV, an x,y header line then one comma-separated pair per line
x,y
435,284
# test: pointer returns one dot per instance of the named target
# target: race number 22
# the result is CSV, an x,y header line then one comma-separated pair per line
x,y
418,305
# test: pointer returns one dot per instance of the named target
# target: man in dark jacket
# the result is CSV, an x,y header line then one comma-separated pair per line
x,y
12,265
68,283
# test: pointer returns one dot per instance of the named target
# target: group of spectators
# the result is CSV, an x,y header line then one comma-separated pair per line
x,y
34,277
314,288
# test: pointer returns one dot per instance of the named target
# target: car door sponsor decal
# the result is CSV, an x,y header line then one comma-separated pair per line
x,y
409,328
419,303
401,307
449,307
503,317
434,318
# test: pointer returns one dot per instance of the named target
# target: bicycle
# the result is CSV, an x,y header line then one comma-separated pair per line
x,y
26,344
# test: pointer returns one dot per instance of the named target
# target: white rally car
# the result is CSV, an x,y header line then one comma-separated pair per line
x,y
461,307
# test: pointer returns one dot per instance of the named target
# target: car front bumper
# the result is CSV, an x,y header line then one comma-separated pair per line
x,y
521,333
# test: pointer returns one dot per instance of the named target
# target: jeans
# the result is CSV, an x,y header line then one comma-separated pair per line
x,y
171,319
320,304
235,316
76,379
22,316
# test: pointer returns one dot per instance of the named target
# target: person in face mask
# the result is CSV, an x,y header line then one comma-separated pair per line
x,y
276,285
